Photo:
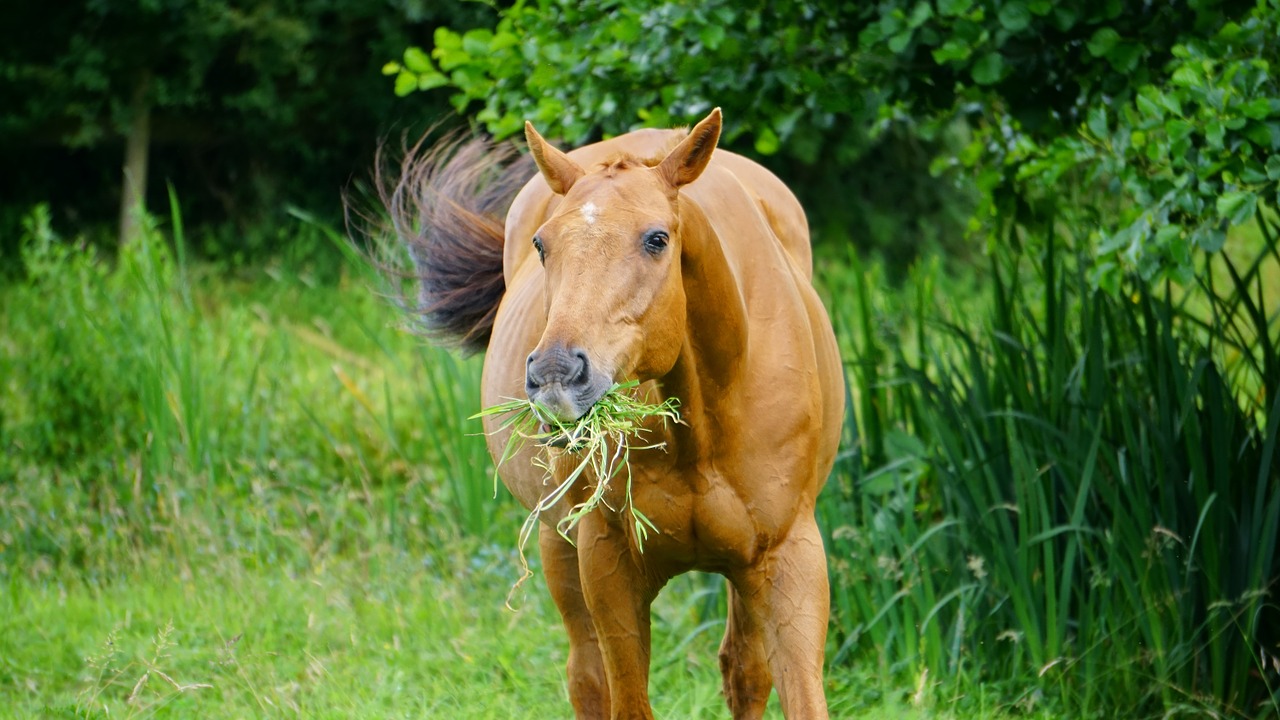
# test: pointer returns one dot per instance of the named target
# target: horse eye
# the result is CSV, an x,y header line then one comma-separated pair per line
x,y
537,245
655,242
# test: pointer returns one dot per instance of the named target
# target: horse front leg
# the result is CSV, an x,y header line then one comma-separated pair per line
x,y
588,690
619,595
787,593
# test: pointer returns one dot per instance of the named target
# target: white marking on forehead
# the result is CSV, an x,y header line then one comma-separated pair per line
x,y
589,213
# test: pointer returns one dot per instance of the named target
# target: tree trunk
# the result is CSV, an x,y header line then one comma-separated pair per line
x,y
137,145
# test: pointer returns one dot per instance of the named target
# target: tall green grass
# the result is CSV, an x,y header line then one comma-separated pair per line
x,y
1048,499
249,493
137,383
1065,490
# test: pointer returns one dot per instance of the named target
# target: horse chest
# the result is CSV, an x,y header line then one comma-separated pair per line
x,y
705,520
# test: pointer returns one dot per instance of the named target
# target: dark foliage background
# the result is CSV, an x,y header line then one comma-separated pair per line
x,y
254,106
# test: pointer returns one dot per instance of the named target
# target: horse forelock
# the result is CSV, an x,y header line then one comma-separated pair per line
x,y
610,167
618,162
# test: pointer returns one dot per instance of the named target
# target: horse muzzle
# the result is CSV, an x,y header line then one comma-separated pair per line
x,y
564,382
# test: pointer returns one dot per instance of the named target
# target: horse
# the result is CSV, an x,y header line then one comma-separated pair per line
x,y
655,257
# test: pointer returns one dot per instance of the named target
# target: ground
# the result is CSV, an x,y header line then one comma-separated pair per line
x,y
377,632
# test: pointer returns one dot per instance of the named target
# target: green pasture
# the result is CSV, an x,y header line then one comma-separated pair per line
x,y
383,632
232,492
256,494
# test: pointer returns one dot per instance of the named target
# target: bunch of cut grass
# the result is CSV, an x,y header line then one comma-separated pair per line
x,y
602,440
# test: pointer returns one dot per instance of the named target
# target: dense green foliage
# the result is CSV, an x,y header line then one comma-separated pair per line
x,y
580,70
1185,155
1174,108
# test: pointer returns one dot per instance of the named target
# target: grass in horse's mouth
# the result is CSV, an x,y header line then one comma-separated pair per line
x,y
603,439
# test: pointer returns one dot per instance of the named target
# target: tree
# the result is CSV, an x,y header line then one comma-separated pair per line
x,y
244,105
113,65
1040,89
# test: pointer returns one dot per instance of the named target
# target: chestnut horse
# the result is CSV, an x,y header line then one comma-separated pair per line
x,y
651,256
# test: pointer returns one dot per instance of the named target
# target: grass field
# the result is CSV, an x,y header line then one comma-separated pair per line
x,y
254,494
380,632
251,492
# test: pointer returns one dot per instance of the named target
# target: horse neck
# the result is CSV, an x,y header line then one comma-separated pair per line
x,y
713,355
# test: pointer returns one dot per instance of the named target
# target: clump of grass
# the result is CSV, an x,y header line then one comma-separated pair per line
x,y
141,701
602,439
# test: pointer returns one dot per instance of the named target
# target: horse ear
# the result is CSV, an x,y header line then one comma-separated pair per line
x,y
560,171
686,162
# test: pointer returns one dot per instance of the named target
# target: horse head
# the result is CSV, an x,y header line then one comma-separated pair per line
x,y
611,255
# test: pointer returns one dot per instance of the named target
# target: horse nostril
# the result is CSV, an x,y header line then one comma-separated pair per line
x,y
531,380
583,374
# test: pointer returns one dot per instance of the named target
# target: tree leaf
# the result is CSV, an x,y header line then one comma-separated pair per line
x,y
1167,234
1097,122
954,8
1252,173
988,69
1064,18
1187,76
711,36
899,42
625,29
1237,207
503,40
1256,109
417,61
767,142
1214,132
1102,41
476,41
1015,17
406,82
952,49
1208,238
1124,57
1273,167
431,80
920,14
1149,107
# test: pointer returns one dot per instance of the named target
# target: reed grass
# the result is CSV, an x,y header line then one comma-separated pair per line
x,y
1066,491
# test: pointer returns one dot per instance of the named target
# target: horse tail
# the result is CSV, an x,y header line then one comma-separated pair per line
x,y
448,208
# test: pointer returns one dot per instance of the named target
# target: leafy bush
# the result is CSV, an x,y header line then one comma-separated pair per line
x,y
787,74
1162,120
1183,157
